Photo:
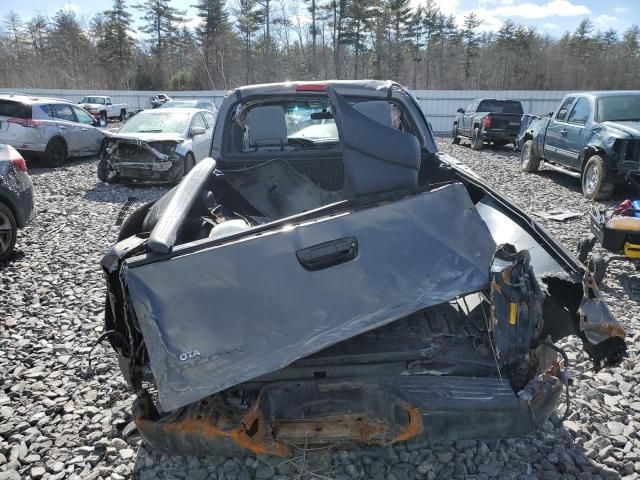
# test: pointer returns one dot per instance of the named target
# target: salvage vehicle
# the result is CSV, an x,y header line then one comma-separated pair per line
x,y
322,289
203,104
488,120
593,136
103,108
49,129
16,198
157,146
158,100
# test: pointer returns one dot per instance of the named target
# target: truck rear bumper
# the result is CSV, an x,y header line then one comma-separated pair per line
x,y
499,135
374,410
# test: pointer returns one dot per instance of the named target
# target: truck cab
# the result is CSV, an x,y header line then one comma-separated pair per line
x,y
594,136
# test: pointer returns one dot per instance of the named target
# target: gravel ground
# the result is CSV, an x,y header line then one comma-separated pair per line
x,y
62,418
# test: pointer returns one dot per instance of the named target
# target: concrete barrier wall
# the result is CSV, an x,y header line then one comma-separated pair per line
x,y
439,105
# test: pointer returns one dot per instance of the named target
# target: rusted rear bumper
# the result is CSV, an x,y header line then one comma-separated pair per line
x,y
377,410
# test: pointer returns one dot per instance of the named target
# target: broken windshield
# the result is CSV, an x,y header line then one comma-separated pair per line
x,y
157,122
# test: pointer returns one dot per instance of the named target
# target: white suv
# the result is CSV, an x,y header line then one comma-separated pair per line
x,y
48,128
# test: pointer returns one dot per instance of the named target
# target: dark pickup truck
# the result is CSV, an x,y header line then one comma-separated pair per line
x,y
488,120
594,136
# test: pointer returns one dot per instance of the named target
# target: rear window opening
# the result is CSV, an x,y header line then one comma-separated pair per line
x,y
11,108
500,106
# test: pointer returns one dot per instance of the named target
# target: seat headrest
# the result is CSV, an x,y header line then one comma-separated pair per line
x,y
267,127
378,110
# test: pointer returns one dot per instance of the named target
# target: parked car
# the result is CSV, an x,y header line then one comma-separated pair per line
x,y
47,128
158,100
157,146
188,103
593,136
103,108
343,286
488,120
16,198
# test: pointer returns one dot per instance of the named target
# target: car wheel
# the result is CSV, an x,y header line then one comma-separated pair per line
x,y
529,161
123,115
594,186
189,163
103,173
476,140
56,153
454,135
8,232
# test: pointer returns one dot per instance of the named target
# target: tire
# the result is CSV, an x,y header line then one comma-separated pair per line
x,y
103,175
594,186
476,140
8,232
189,163
56,153
529,161
454,134
598,267
123,115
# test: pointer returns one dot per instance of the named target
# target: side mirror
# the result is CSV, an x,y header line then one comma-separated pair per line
x,y
460,110
551,114
198,131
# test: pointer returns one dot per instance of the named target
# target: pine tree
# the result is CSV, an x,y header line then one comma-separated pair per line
x,y
400,19
471,23
248,21
212,35
117,45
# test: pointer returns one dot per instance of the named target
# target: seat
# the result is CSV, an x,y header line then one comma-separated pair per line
x,y
378,110
267,128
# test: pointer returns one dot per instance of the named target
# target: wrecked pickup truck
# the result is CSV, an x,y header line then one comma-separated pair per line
x,y
593,136
156,146
345,284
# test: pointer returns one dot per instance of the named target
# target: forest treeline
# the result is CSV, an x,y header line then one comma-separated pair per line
x,y
231,43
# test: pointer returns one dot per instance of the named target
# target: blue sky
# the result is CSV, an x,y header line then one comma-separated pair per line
x,y
549,16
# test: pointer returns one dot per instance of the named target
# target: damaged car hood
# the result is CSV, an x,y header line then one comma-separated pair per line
x,y
147,137
253,306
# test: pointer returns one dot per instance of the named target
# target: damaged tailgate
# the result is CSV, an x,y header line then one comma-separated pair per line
x,y
227,313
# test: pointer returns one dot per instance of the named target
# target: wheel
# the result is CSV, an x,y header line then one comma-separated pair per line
x,y
8,232
103,175
123,115
585,245
454,134
189,163
56,153
598,267
476,140
594,186
529,161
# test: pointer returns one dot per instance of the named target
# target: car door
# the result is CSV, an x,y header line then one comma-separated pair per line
x,y
554,143
91,136
69,127
467,117
579,118
200,143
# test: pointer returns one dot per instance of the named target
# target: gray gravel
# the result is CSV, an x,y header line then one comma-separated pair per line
x,y
61,419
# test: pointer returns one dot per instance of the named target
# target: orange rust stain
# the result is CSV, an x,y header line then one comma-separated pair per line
x,y
414,427
259,443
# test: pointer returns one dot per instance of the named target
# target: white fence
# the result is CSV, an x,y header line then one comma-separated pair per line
x,y
439,105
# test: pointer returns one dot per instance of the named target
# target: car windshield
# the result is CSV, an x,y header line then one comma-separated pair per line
x,y
157,122
179,104
500,106
619,108
98,100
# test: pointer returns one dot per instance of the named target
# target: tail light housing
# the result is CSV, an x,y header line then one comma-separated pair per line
x,y
24,122
487,122
17,160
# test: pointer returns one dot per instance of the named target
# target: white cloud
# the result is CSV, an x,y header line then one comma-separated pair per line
x,y
70,7
620,9
550,26
448,7
530,10
490,23
605,20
